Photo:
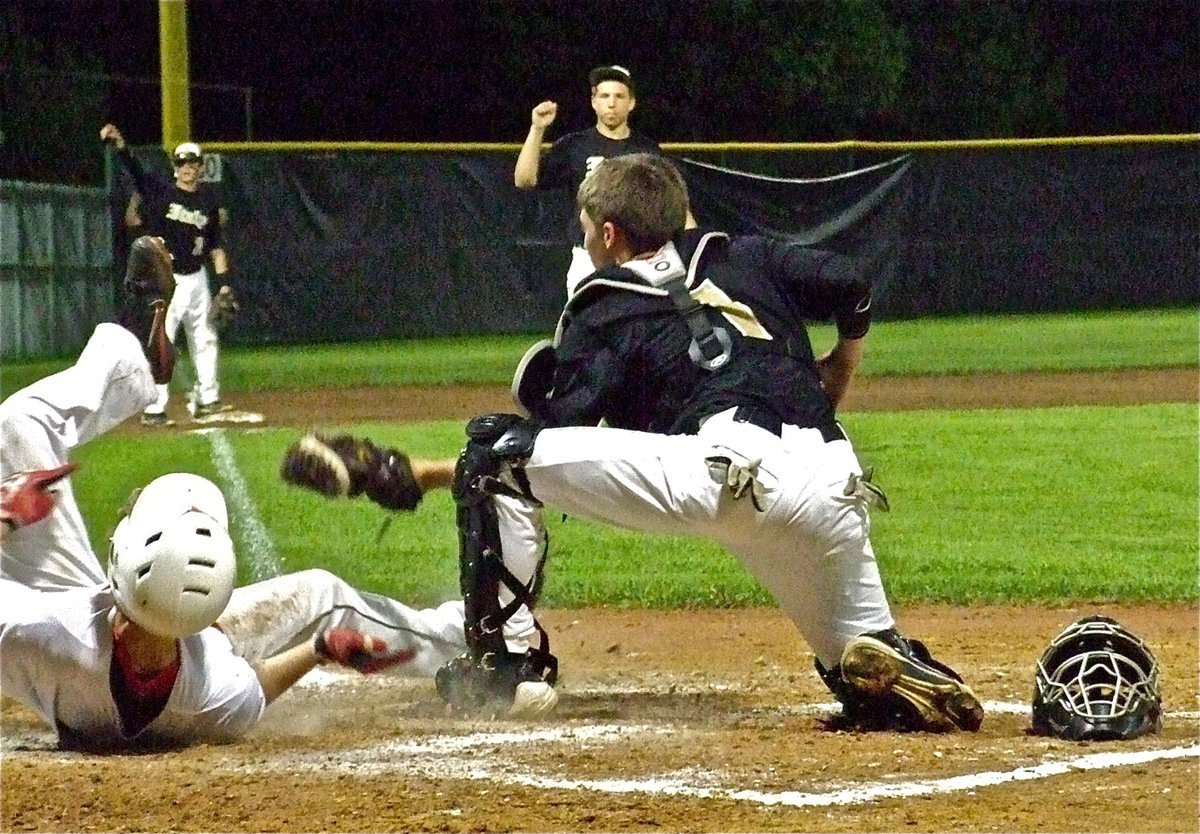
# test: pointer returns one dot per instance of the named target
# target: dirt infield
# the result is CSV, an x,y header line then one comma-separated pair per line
x,y
355,405
679,721
686,721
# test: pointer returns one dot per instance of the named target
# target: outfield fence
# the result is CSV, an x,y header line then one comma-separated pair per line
x,y
356,241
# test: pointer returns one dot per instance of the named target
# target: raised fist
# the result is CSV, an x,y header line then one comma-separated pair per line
x,y
109,133
544,113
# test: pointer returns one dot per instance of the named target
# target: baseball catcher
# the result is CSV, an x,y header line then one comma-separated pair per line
x,y
692,347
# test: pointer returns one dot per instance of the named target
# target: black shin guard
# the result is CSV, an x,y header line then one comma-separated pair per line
x,y
488,674
481,564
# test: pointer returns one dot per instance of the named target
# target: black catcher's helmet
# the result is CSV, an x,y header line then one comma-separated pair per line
x,y
1097,681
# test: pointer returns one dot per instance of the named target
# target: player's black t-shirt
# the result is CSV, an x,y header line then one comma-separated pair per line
x,y
623,355
189,221
574,156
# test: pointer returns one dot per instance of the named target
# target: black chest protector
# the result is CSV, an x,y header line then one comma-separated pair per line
x,y
665,275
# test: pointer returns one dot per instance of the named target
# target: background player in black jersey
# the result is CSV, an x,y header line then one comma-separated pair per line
x,y
577,154
188,215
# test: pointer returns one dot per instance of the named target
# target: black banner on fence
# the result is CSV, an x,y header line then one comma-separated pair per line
x,y
858,213
365,245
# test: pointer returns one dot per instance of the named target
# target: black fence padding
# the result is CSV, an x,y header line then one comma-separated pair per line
x,y
1053,229
362,246
365,245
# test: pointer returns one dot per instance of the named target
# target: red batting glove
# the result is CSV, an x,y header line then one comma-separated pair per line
x,y
26,498
367,654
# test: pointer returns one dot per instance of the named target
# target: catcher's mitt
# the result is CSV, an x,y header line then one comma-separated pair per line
x,y
224,308
345,466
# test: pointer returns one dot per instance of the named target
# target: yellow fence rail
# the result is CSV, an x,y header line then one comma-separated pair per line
x,y
709,147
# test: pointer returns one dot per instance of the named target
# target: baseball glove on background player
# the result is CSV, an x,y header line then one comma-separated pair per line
x,y
224,308
148,271
345,466
149,285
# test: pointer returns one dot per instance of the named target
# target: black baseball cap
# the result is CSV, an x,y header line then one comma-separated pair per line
x,y
611,73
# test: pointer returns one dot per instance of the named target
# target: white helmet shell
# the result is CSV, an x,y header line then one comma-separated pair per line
x,y
172,565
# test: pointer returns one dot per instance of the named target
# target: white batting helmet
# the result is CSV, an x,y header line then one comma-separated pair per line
x,y
171,563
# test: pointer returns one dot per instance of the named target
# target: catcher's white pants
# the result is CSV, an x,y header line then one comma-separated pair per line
x,y
808,545
267,617
40,425
189,309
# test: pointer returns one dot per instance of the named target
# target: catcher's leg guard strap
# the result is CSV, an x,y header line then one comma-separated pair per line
x,y
495,441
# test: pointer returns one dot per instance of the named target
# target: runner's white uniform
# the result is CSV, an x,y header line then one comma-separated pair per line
x,y
55,641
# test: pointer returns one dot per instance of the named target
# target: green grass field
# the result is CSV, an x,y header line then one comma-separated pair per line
x,y
1080,341
1052,505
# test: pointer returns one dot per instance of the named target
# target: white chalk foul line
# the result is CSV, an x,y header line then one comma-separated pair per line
x,y
674,785
264,563
860,794
989,707
457,757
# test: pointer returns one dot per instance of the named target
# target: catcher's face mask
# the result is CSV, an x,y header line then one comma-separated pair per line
x,y
1096,681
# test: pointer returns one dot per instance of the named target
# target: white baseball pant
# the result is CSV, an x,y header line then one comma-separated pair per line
x,y
189,309
267,617
809,544
40,425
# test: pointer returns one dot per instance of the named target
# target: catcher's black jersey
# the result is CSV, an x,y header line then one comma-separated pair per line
x,y
623,356
574,156
189,221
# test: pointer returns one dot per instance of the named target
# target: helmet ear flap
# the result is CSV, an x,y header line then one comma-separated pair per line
x,y
1096,681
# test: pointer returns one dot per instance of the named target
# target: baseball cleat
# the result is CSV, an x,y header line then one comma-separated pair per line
x,y
211,409
886,665
159,420
504,684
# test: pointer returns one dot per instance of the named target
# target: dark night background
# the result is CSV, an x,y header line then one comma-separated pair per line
x,y
708,70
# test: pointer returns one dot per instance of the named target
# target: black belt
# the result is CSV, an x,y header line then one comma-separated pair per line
x,y
771,422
